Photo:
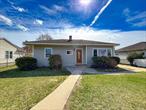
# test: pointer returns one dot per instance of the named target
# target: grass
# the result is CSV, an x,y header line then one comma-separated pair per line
x,y
117,69
20,90
6,68
109,92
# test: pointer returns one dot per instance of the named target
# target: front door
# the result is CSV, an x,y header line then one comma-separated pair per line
x,y
79,56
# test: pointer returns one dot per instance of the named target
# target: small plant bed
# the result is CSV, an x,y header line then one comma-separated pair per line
x,y
109,92
21,90
112,70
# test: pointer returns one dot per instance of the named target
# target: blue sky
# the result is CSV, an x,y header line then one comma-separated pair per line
x,y
117,21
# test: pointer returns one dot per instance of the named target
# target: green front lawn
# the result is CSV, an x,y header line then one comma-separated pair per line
x,y
20,90
116,69
109,92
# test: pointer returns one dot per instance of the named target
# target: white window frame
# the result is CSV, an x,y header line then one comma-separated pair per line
x,y
110,51
71,52
8,54
101,48
45,52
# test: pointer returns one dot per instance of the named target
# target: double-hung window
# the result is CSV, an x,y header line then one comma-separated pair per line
x,y
11,54
95,54
109,52
102,52
48,52
8,54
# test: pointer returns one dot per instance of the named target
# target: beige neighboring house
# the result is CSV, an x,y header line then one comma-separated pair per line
x,y
72,51
135,48
8,52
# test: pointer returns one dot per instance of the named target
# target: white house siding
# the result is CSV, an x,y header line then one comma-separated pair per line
x,y
5,46
67,60
123,56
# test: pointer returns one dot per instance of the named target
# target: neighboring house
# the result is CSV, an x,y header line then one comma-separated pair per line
x,y
72,52
135,48
8,52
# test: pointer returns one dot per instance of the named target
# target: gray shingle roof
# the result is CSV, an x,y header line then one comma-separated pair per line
x,y
135,47
67,42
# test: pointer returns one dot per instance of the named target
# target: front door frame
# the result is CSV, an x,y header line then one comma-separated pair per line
x,y
76,56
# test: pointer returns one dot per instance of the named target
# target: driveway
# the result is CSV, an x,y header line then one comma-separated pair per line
x,y
132,68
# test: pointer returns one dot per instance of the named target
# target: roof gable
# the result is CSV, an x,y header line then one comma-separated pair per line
x,y
135,47
9,42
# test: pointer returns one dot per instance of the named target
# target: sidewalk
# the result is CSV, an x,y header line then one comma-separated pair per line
x,y
58,98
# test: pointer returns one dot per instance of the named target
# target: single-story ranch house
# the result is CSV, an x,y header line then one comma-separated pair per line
x,y
72,52
135,48
8,52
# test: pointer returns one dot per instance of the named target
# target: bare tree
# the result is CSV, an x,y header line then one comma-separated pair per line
x,y
44,37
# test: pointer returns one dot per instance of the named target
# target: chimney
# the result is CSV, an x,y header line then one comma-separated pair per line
x,y
70,38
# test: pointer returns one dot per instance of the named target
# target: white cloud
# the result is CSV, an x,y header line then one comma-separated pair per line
x,y
137,16
53,10
136,19
20,9
141,23
123,38
100,12
6,20
58,8
126,12
48,10
38,22
23,28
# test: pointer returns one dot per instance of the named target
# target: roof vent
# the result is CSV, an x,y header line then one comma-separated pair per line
x,y
70,38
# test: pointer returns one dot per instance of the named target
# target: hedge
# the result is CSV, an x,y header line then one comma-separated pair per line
x,y
104,62
26,63
133,56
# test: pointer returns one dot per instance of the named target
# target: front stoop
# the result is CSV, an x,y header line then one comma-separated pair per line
x,y
58,98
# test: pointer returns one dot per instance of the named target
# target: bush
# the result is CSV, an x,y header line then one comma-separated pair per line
x,y
133,56
55,62
117,59
26,63
104,62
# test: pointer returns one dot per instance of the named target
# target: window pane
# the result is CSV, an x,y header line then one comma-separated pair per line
x,y
6,54
48,52
11,54
102,52
69,52
109,52
95,52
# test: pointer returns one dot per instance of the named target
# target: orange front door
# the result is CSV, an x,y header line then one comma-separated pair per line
x,y
79,56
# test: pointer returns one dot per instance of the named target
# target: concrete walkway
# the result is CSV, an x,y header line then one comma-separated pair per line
x,y
132,68
58,98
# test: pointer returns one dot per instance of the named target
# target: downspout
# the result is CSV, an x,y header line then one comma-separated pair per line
x,y
86,55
